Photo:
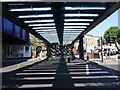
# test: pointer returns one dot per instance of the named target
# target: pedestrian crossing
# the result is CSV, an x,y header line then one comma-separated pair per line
x,y
40,75
92,76
45,74
36,86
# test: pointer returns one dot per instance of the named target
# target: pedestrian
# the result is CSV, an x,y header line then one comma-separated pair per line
x,y
68,59
87,59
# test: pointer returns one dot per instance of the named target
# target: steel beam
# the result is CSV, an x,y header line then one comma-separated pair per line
x,y
20,23
111,10
59,19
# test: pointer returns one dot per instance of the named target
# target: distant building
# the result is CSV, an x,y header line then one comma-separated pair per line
x,y
91,43
92,47
35,43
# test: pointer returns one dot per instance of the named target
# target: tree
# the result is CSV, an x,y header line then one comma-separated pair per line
x,y
112,33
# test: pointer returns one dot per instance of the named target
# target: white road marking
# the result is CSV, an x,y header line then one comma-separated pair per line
x,y
33,73
87,77
94,84
37,78
87,70
84,69
39,70
35,85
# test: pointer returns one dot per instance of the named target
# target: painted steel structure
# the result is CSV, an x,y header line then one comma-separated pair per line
x,y
58,22
14,30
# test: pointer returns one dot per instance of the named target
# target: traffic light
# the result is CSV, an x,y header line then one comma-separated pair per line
x,y
98,42
112,39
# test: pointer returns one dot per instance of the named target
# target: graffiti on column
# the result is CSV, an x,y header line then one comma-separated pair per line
x,y
55,50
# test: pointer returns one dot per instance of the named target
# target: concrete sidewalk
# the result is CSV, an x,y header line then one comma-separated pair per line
x,y
109,63
20,65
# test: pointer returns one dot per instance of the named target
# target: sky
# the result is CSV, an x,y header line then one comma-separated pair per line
x,y
99,30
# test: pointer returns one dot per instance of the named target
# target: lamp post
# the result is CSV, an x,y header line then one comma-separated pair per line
x,y
101,49
110,40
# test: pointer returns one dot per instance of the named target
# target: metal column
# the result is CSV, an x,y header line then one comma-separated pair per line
x,y
81,48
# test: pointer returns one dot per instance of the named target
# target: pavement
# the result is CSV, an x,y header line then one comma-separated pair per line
x,y
58,73
20,65
111,63
9,62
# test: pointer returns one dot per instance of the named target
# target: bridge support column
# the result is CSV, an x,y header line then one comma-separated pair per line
x,y
81,48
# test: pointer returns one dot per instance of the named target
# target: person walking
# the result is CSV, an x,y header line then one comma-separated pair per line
x,y
87,59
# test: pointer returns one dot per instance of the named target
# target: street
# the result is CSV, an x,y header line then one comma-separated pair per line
x,y
60,74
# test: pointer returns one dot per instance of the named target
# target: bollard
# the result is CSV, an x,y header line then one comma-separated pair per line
x,y
68,59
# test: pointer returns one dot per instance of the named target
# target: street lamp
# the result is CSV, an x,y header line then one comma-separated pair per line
x,y
112,39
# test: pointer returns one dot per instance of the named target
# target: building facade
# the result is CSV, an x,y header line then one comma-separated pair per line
x,y
35,43
15,41
91,46
91,43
